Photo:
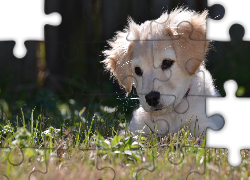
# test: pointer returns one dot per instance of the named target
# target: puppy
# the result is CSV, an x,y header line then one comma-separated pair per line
x,y
165,61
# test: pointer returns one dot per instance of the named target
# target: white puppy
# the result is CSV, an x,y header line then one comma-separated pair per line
x,y
164,59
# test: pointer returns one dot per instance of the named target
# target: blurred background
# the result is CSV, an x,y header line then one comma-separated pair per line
x,y
64,76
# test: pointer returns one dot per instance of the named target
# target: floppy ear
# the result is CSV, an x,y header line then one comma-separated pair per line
x,y
190,44
118,60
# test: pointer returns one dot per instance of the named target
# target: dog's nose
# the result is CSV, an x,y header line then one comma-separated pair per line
x,y
152,98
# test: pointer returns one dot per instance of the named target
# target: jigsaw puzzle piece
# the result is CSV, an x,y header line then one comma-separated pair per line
x,y
178,109
106,168
128,148
200,89
175,161
225,138
126,151
158,128
232,57
218,30
192,54
63,82
176,156
39,158
109,167
179,157
24,26
202,84
217,166
78,31
14,161
64,88
11,158
146,166
188,54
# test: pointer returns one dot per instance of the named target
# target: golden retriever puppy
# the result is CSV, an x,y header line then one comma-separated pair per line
x,y
165,61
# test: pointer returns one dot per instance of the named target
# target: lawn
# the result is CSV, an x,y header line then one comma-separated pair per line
x,y
87,145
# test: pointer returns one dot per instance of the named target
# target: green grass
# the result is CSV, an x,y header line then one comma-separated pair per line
x,y
88,146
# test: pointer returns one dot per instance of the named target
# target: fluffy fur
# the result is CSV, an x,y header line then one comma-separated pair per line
x,y
180,37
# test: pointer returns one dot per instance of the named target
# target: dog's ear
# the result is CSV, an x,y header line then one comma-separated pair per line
x,y
190,44
118,60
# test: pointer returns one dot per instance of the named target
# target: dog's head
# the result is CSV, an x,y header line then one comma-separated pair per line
x,y
159,57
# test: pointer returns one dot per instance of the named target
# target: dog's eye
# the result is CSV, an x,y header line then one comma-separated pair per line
x,y
138,71
166,63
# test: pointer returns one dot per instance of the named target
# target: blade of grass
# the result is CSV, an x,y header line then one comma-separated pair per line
x,y
32,124
89,131
17,125
78,135
23,117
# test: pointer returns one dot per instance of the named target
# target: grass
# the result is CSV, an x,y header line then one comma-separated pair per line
x,y
88,146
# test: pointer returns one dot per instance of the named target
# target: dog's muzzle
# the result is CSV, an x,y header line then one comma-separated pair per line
x,y
152,98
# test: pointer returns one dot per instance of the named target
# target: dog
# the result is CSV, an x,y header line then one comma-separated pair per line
x,y
165,61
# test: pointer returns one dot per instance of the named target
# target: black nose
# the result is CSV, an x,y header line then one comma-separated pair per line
x,y
152,98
